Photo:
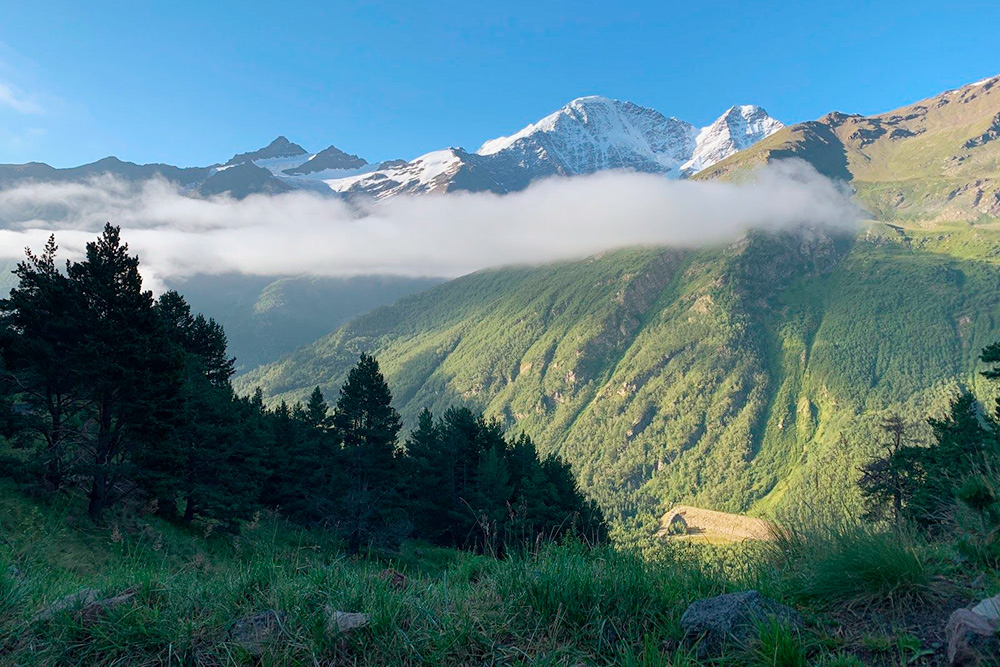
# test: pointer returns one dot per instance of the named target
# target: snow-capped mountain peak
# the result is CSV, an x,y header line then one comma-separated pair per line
x,y
575,109
588,134
328,158
595,133
738,128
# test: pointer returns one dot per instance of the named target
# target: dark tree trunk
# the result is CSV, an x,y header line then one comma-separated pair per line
x,y
98,496
188,511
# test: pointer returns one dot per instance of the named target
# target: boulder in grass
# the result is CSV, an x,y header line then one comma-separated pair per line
x,y
711,623
255,632
971,637
396,580
96,609
344,622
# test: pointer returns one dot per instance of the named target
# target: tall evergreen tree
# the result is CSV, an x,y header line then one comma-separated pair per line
x,y
203,458
40,342
368,427
884,479
317,411
130,370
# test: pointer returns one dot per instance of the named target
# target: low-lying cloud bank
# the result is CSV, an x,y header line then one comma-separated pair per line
x,y
446,235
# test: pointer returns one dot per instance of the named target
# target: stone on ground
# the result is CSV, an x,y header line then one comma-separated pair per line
x,y
344,622
971,637
253,633
710,623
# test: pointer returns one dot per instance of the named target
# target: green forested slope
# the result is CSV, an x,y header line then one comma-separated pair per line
x,y
751,376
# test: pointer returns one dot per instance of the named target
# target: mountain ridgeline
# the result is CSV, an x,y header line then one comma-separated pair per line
x,y
748,377
587,135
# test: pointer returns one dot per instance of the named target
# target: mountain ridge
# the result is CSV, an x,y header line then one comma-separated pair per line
x,y
938,158
586,135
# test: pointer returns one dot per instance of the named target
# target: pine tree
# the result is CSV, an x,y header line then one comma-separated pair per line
x,y
884,479
426,479
40,340
368,427
317,412
130,370
203,459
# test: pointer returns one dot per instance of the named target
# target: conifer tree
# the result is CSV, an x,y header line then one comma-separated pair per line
x,y
40,342
204,458
884,479
126,363
317,412
368,427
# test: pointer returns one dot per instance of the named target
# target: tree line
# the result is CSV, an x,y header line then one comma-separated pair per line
x,y
126,396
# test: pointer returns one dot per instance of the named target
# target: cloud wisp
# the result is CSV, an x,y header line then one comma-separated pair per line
x,y
17,100
178,236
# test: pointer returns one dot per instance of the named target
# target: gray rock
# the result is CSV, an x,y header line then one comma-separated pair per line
x,y
344,622
971,637
74,601
990,608
710,623
253,633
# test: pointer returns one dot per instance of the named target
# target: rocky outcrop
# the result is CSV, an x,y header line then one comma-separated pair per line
x,y
971,637
343,622
710,624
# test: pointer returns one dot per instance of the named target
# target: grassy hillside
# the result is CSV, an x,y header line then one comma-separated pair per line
x,y
746,377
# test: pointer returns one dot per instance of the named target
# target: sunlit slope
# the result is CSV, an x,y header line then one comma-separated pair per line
x,y
750,376
938,159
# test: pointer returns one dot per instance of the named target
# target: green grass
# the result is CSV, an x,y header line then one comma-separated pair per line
x,y
779,646
562,604
853,564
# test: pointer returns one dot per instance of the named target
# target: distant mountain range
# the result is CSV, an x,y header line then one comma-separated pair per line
x,y
587,135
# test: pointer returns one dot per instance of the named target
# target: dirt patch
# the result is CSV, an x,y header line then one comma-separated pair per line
x,y
712,526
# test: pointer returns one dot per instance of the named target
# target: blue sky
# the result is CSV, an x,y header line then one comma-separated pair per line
x,y
192,83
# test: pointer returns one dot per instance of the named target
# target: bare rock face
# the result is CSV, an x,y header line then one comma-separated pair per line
x,y
971,637
255,632
710,623
344,622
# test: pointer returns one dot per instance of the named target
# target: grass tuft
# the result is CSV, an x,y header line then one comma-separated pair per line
x,y
778,645
853,564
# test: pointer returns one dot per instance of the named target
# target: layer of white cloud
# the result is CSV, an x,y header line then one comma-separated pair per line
x,y
447,235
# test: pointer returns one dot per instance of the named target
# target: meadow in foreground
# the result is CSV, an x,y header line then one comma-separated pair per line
x,y
867,597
